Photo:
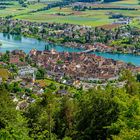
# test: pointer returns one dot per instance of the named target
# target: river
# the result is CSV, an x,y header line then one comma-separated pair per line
x,y
12,42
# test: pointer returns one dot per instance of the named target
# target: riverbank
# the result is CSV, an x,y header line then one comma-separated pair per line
x,y
85,47
14,42
123,39
96,47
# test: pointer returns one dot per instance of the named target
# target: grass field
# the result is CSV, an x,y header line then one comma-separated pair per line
x,y
126,3
17,9
88,17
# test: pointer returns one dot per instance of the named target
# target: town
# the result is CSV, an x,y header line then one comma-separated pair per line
x,y
76,70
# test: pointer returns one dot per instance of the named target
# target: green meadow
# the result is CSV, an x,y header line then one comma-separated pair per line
x,y
126,3
88,17
17,9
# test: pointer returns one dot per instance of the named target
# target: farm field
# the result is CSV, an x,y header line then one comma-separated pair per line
x,y
88,17
17,9
82,18
126,3
67,15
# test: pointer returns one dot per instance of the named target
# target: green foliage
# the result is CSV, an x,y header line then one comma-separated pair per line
x,y
12,124
128,121
40,73
97,111
65,118
132,86
101,113
40,117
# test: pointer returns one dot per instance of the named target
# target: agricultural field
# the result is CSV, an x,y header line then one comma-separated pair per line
x,y
43,0
16,9
126,3
67,15
88,17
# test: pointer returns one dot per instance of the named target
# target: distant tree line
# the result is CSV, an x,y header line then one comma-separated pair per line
x,y
52,5
83,8
92,0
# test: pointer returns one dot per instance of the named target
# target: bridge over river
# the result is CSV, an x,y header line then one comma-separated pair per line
x,y
89,50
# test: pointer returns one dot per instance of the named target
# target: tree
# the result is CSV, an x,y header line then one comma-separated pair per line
x,y
40,73
12,124
21,1
132,86
128,121
138,77
47,47
97,110
41,117
65,118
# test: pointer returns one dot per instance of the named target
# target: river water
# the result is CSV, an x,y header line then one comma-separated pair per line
x,y
12,42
